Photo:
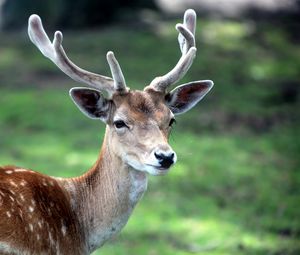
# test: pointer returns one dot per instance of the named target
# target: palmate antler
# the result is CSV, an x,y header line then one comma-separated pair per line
x,y
188,49
55,52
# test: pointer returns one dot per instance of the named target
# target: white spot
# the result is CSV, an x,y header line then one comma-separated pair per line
x,y
21,213
13,183
8,214
31,209
11,198
49,212
9,248
22,197
9,171
40,224
63,228
38,237
31,227
20,170
33,202
23,183
19,202
2,193
50,237
51,183
45,184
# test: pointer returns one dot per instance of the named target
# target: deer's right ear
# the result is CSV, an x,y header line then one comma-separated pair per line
x,y
91,102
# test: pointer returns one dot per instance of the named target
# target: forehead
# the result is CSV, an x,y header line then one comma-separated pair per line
x,y
142,104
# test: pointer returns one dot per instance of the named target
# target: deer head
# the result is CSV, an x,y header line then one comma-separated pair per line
x,y
138,122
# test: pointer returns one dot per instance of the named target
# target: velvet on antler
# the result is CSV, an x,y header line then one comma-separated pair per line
x,y
55,52
188,49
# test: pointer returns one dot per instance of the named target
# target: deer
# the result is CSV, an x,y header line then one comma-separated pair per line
x,y
40,214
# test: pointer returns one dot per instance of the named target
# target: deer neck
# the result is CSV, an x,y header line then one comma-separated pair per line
x,y
105,196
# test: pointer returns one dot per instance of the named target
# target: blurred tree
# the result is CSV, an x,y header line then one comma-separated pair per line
x,y
72,13
16,12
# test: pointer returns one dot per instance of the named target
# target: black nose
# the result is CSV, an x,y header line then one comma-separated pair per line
x,y
165,160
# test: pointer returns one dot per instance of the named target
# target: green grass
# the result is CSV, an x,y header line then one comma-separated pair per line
x,y
236,186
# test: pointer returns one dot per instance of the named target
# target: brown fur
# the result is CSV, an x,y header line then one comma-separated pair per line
x,y
24,228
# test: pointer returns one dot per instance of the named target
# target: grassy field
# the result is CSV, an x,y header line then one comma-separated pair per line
x,y
236,186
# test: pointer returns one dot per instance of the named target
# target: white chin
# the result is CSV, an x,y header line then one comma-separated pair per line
x,y
150,169
160,172
154,170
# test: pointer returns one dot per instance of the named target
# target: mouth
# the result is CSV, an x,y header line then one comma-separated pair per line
x,y
159,170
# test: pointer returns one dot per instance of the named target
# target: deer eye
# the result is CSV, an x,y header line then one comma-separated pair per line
x,y
172,121
119,124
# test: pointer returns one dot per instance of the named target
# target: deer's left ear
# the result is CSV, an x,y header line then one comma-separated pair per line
x,y
91,102
186,96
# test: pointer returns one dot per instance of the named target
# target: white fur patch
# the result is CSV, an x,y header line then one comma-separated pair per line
x,y
23,183
13,183
139,185
138,181
40,223
31,227
20,170
22,197
63,230
9,249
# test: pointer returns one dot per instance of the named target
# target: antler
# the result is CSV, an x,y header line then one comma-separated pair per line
x,y
55,52
187,46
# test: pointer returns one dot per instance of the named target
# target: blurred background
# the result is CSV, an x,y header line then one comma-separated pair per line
x,y
236,186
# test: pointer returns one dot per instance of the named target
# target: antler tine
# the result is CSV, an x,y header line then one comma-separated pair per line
x,y
116,71
186,40
55,52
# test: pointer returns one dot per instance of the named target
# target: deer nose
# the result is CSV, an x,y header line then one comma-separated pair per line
x,y
165,159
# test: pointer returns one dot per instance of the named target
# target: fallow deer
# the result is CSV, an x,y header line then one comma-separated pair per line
x,y
40,214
